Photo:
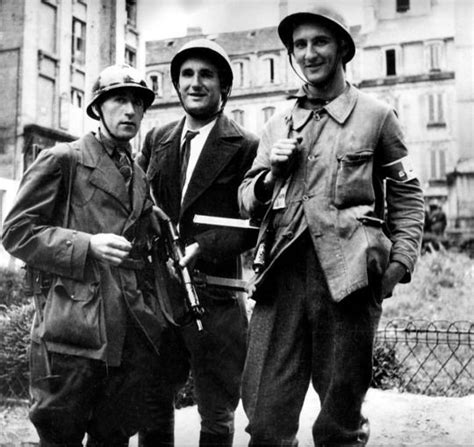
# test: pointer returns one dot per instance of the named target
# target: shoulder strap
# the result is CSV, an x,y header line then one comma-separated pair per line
x,y
68,166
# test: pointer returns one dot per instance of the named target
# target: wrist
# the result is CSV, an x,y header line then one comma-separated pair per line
x,y
264,187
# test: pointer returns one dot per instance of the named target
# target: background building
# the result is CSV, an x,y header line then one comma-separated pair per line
x,y
415,55
51,51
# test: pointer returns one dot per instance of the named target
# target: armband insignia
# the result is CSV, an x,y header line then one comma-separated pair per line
x,y
400,170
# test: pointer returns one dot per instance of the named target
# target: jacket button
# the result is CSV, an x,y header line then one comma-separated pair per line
x,y
68,243
289,235
305,197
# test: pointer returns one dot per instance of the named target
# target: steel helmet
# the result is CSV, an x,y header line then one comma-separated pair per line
x,y
116,77
213,51
324,14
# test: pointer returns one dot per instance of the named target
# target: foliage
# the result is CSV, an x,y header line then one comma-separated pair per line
x,y
14,343
441,289
387,371
11,288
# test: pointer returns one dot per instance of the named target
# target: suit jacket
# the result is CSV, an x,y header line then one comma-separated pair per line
x,y
226,156
89,304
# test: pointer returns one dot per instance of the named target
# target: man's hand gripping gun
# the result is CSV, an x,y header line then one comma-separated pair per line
x,y
174,247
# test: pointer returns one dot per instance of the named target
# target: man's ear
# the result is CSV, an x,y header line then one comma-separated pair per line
x,y
344,48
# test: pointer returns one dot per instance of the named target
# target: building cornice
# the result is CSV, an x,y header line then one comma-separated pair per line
x,y
392,80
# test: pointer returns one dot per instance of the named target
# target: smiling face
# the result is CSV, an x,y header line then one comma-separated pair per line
x,y
318,53
122,112
199,87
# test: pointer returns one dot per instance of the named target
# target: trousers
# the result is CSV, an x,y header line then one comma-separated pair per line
x,y
215,358
84,396
298,335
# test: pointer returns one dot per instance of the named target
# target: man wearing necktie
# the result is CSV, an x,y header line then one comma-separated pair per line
x,y
194,167
81,222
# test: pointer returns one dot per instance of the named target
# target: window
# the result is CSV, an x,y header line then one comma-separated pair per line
x,y
156,83
45,101
267,113
436,110
131,8
434,56
47,36
130,57
238,116
78,50
239,73
269,73
403,5
77,98
438,164
77,111
390,62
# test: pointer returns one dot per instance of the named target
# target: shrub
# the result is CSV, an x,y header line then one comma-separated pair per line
x,y
387,371
11,288
14,348
441,289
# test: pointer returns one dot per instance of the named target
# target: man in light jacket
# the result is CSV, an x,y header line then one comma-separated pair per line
x,y
328,254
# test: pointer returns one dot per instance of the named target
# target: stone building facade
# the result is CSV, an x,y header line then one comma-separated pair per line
x,y
406,55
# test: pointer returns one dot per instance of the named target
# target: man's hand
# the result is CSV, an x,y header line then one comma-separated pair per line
x,y
282,157
190,256
108,247
392,276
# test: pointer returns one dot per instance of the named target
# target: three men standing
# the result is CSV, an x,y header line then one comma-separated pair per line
x,y
333,254
195,166
81,223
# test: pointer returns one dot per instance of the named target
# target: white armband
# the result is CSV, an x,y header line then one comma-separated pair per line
x,y
400,170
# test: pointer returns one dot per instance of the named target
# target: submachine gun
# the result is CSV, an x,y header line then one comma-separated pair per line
x,y
175,251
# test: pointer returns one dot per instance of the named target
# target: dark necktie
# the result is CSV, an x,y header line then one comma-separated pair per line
x,y
185,151
124,165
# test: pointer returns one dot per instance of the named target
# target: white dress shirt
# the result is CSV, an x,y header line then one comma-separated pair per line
x,y
197,143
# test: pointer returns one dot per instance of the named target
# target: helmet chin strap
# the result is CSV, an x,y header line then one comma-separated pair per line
x,y
109,132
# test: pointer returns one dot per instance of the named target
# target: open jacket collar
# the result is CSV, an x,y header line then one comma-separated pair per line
x,y
338,109
106,176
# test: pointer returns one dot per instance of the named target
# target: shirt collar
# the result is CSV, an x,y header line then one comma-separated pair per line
x,y
110,145
204,130
339,108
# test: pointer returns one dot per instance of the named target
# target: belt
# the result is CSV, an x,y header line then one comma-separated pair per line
x,y
203,280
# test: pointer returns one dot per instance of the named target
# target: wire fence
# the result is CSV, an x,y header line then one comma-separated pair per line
x,y
425,357
418,356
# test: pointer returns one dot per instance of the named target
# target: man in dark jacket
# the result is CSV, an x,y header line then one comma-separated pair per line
x,y
324,171
195,167
81,219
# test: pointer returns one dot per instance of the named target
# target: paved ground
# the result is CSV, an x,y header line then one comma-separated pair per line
x,y
396,420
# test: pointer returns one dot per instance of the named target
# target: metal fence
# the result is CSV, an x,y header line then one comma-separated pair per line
x,y
418,356
425,357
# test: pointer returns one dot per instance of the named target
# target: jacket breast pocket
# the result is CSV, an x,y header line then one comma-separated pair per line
x,y
73,314
353,184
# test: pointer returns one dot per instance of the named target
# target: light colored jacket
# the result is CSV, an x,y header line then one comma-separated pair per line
x,y
338,185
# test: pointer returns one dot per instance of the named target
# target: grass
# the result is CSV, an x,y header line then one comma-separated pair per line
x,y
442,288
